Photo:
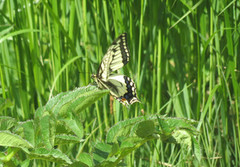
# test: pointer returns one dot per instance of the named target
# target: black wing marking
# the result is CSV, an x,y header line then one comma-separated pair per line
x,y
122,88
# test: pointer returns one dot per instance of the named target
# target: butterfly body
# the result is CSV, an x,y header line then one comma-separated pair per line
x,y
121,87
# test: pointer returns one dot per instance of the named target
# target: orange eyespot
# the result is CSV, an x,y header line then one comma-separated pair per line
x,y
123,99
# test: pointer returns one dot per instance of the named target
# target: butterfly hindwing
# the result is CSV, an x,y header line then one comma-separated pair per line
x,y
122,88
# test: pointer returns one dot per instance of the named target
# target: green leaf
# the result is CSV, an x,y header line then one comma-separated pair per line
x,y
29,133
74,126
124,140
76,100
164,127
44,130
4,104
6,31
196,149
54,101
129,142
145,128
25,163
66,139
101,152
107,164
8,139
168,125
41,111
53,155
122,128
182,137
115,149
86,159
6,122
77,164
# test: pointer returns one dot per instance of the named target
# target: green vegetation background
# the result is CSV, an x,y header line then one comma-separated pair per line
x,y
184,59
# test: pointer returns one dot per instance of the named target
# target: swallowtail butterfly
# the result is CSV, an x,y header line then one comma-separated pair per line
x,y
121,87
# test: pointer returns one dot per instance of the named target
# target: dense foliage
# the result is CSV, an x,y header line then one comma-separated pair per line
x,y
184,59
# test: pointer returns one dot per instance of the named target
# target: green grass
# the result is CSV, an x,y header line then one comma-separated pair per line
x,y
184,59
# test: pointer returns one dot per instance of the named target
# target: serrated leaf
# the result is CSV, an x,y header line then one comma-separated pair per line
x,y
40,113
115,149
54,101
164,127
66,139
101,152
196,149
122,128
29,133
86,159
53,155
168,125
8,139
44,130
103,147
122,135
75,127
130,142
182,137
110,154
76,100
6,122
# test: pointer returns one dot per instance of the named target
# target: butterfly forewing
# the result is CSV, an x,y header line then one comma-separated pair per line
x,y
120,53
116,57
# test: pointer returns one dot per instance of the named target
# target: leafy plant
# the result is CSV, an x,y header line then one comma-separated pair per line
x,y
54,126
184,59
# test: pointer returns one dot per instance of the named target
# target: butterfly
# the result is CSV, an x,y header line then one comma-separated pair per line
x,y
121,87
